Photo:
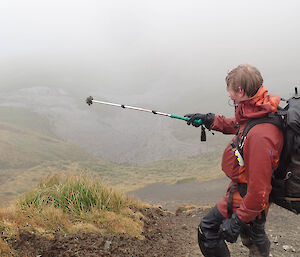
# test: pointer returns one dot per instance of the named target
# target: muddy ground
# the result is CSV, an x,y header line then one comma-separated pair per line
x,y
166,233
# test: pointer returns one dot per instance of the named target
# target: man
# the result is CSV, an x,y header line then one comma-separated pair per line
x,y
243,209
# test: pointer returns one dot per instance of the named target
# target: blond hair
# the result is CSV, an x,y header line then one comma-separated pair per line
x,y
245,77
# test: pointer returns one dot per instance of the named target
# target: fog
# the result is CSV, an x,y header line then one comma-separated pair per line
x,y
170,56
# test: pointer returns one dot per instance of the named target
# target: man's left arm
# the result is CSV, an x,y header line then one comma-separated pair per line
x,y
261,152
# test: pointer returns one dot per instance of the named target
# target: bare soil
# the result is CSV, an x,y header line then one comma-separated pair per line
x,y
165,233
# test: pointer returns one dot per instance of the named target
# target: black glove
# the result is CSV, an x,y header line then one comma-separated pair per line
x,y
89,100
207,119
230,228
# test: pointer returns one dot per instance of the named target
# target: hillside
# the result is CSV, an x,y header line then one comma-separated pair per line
x,y
78,216
29,150
38,226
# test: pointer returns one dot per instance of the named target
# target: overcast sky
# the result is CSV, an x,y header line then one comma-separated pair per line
x,y
139,47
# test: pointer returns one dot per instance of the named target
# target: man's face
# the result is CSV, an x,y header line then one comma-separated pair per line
x,y
238,96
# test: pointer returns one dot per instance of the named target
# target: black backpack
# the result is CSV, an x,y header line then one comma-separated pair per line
x,y
286,179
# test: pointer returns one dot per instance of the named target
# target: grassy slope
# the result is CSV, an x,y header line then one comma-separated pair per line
x,y
127,178
29,150
70,204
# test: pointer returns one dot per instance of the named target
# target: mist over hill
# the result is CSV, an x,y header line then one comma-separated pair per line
x,y
108,132
170,56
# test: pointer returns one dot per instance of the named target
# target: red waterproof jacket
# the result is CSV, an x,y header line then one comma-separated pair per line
x,y
261,152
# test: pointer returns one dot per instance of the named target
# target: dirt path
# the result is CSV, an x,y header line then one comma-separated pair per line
x,y
165,234
283,227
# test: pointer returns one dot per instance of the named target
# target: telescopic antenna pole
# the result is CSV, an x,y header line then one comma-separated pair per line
x,y
90,100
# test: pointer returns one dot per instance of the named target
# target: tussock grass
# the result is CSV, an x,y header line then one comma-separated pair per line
x,y
79,202
74,195
71,204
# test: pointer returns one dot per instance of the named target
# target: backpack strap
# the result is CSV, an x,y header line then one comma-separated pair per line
x,y
232,190
273,118
242,189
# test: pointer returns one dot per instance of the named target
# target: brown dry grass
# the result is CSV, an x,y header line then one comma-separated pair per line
x,y
70,205
188,209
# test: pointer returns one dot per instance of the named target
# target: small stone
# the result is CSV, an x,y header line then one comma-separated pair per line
x,y
288,248
285,247
107,245
184,227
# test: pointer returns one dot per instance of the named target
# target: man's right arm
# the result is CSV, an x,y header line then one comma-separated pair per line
x,y
224,125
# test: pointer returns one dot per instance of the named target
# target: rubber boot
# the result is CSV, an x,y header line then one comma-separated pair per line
x,y
256,249
221,250
260,250
260,238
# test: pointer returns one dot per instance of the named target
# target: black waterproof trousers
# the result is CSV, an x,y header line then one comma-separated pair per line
x,y
211,245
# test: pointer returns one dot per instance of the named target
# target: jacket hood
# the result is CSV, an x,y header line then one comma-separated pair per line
x,y
257,106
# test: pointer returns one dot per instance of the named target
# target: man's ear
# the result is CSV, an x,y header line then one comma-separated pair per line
x,y
242,91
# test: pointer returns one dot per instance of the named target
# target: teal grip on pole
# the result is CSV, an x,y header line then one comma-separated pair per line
x,y
185,118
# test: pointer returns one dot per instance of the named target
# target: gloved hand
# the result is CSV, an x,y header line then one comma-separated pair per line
x,y
207,119
230,228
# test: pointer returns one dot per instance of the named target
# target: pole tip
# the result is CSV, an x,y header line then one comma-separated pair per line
x,y
89,100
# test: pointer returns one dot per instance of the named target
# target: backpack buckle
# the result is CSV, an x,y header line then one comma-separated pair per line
x,y
288,175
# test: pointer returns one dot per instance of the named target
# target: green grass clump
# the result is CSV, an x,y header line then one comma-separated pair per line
x,y
74,194
69,205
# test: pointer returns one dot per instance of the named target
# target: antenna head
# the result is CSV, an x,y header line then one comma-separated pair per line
x,y
89,100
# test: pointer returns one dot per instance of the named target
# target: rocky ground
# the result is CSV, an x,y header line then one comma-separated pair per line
x,y
166,234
